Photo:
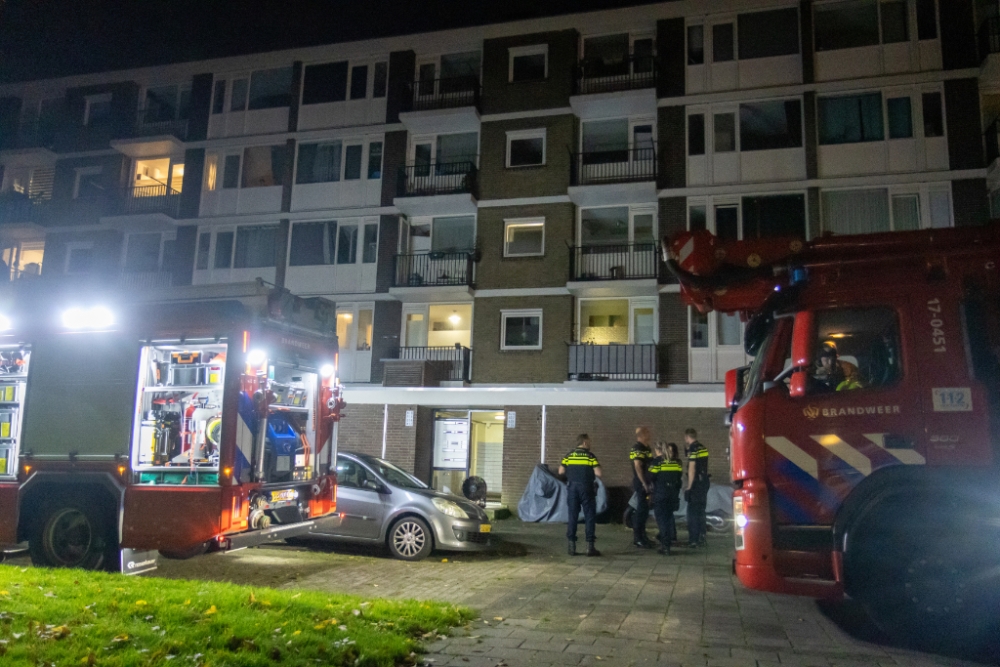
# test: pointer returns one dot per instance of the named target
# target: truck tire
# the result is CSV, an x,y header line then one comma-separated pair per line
x,y
70,533
410,539
925,581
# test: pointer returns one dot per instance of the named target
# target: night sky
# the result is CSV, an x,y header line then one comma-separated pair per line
x,y
45,38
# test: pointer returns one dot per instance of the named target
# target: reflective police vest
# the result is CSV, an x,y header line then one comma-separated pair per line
x,y
580,464
699,454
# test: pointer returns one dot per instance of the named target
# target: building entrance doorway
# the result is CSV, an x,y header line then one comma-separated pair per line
x,y
468,443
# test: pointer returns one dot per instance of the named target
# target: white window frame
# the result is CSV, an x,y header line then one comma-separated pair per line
x,y
921,191
531,50
84,171
633,211
523,222
70,247
523,312
515,135
90,100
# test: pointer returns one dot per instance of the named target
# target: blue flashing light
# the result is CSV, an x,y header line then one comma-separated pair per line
x,y
799,274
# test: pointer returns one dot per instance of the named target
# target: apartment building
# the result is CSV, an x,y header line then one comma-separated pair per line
x,y
484,204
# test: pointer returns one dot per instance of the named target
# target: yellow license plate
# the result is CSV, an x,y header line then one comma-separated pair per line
x,y
279,496
485,528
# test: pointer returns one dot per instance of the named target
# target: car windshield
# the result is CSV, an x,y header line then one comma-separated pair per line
x,y
395,476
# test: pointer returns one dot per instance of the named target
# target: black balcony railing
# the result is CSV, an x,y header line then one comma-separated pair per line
x,y
33,134
438,178
148,199
19,209
599,76
992,140
627,165
627,261
457,359
614,362
446,93
153,122
989,37
433,269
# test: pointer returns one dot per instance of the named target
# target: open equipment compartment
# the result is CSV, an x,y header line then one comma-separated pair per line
x,y
13,382
290,452
177,433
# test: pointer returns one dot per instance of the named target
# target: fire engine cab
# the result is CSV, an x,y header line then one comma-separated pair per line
x,y
865,435
179,426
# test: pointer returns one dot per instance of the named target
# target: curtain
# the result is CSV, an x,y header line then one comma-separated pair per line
x,y
851,119
856,211
255,246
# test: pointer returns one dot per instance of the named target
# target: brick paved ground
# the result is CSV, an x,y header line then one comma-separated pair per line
x,y
626,608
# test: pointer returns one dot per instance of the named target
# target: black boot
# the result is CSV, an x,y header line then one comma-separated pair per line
x,y
664,549
571,550
592,550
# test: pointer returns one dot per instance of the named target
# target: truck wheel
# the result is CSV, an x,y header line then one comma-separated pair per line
x,y
410,539
184,554
72,534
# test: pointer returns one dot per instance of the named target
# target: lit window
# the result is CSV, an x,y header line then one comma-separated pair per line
x,y
524,237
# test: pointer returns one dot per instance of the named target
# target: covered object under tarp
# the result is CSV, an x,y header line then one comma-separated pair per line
x,y
544,498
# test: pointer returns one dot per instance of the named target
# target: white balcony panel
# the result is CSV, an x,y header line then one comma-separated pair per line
x,y
852,159
612,194
901,57
259,200
776,71
341,114
725,168
848,63
219,202
903,155
460,204
930,55
332,279
241,123
437,121
609,105
783,164
937,153
224,276
340,194
695,79
701,365
725,76
697,170
28,157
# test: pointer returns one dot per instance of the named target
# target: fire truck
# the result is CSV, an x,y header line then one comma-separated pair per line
x,y
865,434
176,426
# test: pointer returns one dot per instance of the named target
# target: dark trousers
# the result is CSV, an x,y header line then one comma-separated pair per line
x,y
641,515
696,514
581,497
664,511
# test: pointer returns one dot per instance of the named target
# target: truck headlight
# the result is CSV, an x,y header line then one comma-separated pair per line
x,y
449,508
740,522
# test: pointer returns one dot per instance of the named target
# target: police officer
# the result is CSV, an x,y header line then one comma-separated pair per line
x,y
696,491
642,484
666,471
581,468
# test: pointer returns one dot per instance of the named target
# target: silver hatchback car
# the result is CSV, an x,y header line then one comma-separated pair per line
x,y
378,503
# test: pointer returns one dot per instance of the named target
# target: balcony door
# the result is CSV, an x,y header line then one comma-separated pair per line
x,y
436,251
617,149
438,332
616,242
354,338
447,153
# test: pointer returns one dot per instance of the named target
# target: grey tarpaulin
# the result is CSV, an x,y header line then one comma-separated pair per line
x,y
544,498
720,499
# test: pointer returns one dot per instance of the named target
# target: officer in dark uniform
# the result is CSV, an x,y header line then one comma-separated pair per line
x,y
640,455
581,469
696,491
666,471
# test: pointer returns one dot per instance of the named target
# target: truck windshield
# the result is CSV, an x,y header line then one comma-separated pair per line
x,y
754,377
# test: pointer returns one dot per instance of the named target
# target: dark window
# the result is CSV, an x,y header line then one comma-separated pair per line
x,y
775,215
770,125
375,160
642,51
767,34
238,98
846,25
255,246
606,55
895,22
352,162
142,252
219,98
319,163
900,118
696,134
325,83
347,244
696,44
723,49
270,88
933,115
359,82
308,244
697,219
926,19
99,110
201,262
528,67
370,254
231,172
184,104
727,222
426,74
381,81
522,331
850,119
527,152
224,250
724,129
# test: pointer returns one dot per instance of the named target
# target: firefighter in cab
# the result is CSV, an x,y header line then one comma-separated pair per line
x,y
832,373
696,491
581,469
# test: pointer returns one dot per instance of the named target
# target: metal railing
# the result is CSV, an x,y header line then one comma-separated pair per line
x,y
148,199
632,73
992,140
627,165
144,280
989,37
446,93
33,134
614,262
150,123
438,178
458,358
18,209
614,362
433,269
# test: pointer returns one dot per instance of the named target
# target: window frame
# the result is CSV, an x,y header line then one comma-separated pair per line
x,y
165,238
520,312
529,50
817,342
520,135
90,101
523,222
80,172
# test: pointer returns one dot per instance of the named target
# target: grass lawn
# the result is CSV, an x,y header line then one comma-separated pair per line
x,y
71,617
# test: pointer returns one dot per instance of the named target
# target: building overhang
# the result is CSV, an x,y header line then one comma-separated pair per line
x,y
140,222
22,231
433,294
611,194
149,147
32,158
459,204
614,105
600,289
434,121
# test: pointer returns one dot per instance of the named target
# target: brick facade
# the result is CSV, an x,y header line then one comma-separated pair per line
x,y
493,365
495,271
497,181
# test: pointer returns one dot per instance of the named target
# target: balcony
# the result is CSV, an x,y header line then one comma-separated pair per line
x,y
624,176
434,269
153,122
633,73
17,209
146,200
437,188
614,362
442,105
31,135
427,366
629,261
155,133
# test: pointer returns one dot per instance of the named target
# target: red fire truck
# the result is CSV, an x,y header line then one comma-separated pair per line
x,y
865,434
179,426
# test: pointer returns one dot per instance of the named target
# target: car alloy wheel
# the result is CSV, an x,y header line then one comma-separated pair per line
x,y
409,538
